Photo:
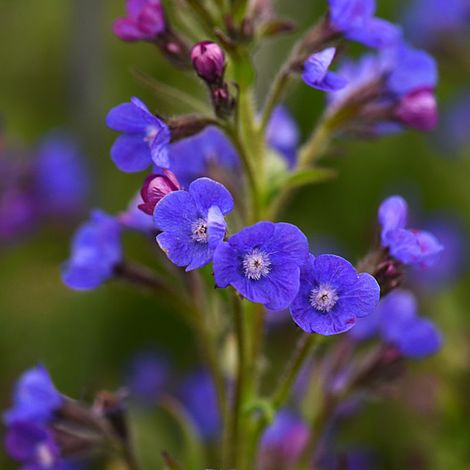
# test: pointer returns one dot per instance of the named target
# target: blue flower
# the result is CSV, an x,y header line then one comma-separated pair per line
x,y
35,398
33,445
145,137
282,134
397,322
332,296
263,263
192,222
408,246
316,72
356,20
96,250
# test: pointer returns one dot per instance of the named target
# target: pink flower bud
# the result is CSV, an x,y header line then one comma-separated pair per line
x,y
155,188
209,61
418,109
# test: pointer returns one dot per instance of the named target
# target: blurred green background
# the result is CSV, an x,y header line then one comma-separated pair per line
x,y
61,66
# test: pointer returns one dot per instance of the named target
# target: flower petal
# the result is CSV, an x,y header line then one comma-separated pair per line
x,y
288,244
131,118
216,227
361,298
208,193
159,146
176,212
131,153
316,66
420,339
226,265
177,246
393,213
376,33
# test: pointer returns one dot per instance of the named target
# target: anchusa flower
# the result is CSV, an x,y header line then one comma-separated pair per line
x,y
209,62
192,222
316,74
397,322
332,296
262,262
155,188
96,251
145,137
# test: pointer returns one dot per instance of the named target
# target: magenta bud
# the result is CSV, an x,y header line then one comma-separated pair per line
x,y
155,188
208,61
418,109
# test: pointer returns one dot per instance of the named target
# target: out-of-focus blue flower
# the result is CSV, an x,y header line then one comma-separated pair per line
x,y
196,156
145,137
282,134
35,398
356,20
144,21
317,75
33,446
409,246
283,442
332,296
96,250
262,262
199,397
61,178
134,219
192,222
397,322
18,212
147,375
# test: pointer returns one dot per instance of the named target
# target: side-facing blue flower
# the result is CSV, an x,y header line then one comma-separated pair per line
x,y
282,134
192,222
414,247
96,250
332,296
263,263
356,20
317,75
35,398
145,137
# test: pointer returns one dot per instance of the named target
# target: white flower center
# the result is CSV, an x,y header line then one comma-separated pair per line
x,y
199,230
256,264
323,298
44,455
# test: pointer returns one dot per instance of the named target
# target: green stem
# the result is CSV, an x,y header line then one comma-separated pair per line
x,y
316,145
204,15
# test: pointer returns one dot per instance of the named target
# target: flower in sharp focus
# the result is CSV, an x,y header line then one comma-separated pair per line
x,y
155,188
145,137
144,21
316,72
332,296
96,251
262,262
192,222
409,246
356,20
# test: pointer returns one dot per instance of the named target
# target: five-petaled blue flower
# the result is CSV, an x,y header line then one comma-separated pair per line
x,y
145,137
355,19
332,296
397,322
192,222
263,263
316,72
96,250
414,247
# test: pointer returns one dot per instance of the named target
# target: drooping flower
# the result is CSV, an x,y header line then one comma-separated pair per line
x,y
96,251
332,296
409,246
144,21
35,398
192,222
262,262
356,20
317,75
145,137
397,322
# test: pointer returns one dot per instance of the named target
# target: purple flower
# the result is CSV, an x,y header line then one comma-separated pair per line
x,y
145,137
209,62
356,20
96,250
418,109
316,72
192,222
262,262
414,247
283,442
144,21
35,398
33,445
199,397
332,296
282,134
199,155
155,188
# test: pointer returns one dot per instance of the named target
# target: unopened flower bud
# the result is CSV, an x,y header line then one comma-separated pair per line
x,y
209,61
418,109
155,188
